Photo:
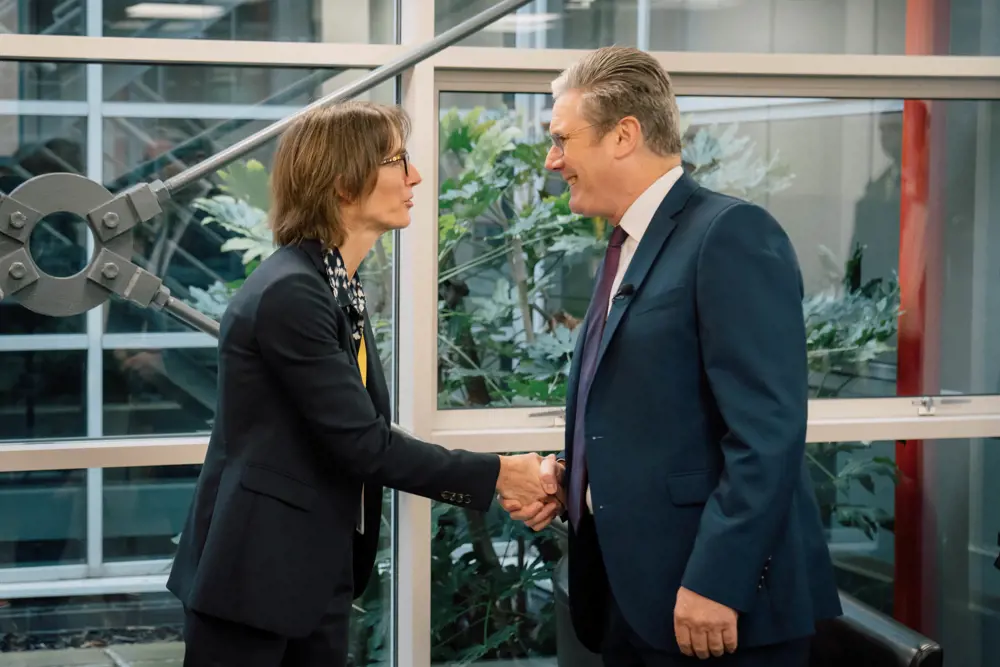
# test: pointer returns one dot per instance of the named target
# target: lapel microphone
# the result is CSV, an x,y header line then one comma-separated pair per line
x,y
626,290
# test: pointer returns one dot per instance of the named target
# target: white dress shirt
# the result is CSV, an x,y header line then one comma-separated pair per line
x,y
635,222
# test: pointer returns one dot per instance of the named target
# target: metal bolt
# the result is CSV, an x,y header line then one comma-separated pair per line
x,y
17,271
109,270
17,219
110,220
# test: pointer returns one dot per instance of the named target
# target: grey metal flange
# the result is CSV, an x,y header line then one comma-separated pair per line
x,y
112,220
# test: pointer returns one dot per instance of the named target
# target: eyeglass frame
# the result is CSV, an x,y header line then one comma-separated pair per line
x,y
559,140
404,156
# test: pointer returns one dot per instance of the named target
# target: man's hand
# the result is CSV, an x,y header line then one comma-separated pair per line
x,y
703,627
519,481
539,514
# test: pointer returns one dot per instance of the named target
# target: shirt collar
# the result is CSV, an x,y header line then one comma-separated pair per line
x,y
638,216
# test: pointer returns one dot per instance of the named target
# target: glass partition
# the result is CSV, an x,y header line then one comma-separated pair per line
x,y
44,17
370,22
735,26
516,267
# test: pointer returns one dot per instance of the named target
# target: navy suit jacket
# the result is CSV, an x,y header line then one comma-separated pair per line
x,y
695,432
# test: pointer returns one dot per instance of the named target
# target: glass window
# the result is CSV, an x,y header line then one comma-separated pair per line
x,y
44,521
218,84
371,22
43,81
31,146
938,572
516,268
44,17
43,394
779,26
553,24
150,391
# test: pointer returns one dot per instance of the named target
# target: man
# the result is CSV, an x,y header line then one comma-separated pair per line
x,y
284,525
694,528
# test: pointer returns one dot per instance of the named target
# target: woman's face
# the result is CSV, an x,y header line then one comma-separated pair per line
x,y
388,206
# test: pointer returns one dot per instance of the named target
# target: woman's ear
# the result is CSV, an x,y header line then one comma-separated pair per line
x,y
342,192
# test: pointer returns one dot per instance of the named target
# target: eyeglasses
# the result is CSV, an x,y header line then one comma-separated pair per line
x,y
403,157
559,140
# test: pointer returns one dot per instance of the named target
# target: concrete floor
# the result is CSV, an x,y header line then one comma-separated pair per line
x,y
164,654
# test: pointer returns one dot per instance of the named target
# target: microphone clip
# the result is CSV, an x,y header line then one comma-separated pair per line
x,y
624,291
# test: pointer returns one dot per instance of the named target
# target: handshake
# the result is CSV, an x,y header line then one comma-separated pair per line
x,y
530,488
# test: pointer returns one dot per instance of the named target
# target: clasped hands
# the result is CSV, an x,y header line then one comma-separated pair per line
x,y
530,488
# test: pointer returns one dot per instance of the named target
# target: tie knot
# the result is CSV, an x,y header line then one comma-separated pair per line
x,y
618,236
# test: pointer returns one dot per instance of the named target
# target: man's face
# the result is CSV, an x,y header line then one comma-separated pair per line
x,y
584,160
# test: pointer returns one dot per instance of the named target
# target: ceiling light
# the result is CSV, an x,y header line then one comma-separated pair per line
x,y
522,22
168,12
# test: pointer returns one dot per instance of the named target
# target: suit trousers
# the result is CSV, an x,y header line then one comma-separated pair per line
x,y
622,647
214,642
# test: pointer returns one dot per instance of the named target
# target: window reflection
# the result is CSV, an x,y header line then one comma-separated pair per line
x,y
516,267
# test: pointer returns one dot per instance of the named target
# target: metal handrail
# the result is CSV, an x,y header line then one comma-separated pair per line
x,y
113,218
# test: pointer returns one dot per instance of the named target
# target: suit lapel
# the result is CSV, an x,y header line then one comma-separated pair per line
x,y
659,230
377,387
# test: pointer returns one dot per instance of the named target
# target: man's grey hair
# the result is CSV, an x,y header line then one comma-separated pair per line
x,y
621,81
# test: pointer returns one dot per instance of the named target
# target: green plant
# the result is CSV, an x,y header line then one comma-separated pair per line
x,y
510,254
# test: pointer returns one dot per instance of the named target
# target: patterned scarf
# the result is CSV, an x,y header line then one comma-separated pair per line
x,y
353,300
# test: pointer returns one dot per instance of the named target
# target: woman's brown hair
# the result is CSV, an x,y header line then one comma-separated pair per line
x,y
330,154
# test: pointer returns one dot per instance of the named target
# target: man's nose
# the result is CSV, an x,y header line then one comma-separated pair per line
x,y
554,159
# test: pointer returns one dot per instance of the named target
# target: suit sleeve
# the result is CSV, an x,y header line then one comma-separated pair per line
x,y
296,329
749,300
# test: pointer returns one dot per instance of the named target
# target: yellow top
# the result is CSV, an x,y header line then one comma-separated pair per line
x,y
363,361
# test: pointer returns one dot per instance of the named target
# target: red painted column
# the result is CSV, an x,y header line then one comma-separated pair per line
x,y
921,282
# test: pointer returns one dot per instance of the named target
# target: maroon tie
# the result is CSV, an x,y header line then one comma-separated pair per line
x,y
596,316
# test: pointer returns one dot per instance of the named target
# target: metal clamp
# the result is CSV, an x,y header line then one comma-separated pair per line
x,y
111,220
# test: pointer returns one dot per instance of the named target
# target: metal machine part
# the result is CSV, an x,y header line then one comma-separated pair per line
x,y
112,219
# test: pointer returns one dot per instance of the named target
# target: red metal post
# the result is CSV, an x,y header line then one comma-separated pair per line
x,y
920,278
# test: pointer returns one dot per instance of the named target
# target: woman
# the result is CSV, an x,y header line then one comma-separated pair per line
x,y
285,520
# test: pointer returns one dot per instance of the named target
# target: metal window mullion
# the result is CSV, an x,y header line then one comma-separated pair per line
x,y
95,316
643,22
42,342
416,358
157,340
42,108
21,575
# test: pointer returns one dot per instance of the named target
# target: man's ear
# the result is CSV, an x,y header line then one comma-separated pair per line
x,y
628,136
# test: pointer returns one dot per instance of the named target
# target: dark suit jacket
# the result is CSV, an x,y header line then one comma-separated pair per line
x,y
271,538
695,428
